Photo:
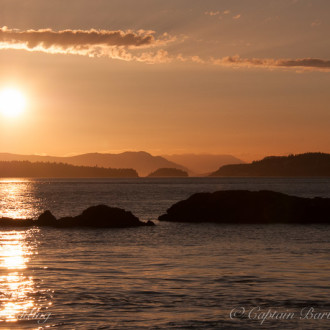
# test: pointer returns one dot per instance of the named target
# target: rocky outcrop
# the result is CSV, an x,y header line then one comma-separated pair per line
x,y
46,219
100,216
246,207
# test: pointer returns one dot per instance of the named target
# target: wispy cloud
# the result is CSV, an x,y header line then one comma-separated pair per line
x,y
269,63
212,13
75,38
93,43
139,46
238,16
316,23
217,13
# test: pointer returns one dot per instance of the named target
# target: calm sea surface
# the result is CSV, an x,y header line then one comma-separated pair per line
x,y
171,276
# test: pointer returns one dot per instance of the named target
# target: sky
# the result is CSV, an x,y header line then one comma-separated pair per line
x,y
248,78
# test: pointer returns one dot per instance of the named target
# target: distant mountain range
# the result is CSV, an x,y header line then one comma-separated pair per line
x,y
142,162
125,164
308,164
203,163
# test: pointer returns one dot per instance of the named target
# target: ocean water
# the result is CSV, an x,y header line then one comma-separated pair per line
x,y
171,276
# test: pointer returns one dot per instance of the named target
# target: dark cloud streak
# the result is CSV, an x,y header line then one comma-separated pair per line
x,y
270,63
305,62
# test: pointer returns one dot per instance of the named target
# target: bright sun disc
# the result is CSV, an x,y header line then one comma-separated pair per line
x,y
12,102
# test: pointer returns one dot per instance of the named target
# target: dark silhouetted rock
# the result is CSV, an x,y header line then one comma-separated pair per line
x,y
9,222
100,216
168,172
246,207
104,216
46,219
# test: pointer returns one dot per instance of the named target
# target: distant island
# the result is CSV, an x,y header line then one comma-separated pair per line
x,y
168,172
301,165
249,207
19,169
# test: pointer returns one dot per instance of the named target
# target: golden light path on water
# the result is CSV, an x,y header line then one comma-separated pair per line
x,y
21,298
14,255
16,289
22,301
17,198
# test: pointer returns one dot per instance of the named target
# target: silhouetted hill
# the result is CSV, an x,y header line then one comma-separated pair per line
x,y
17,169
203,163
142,162
168,172
308,164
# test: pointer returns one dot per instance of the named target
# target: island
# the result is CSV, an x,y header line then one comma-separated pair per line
x,y
168,173
301,165
101,216
27,169
249,207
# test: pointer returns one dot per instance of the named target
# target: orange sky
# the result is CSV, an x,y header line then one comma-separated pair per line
x,y
246,78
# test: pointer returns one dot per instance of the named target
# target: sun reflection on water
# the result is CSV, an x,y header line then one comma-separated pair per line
x,y
20,292
12,254
17,198
17,287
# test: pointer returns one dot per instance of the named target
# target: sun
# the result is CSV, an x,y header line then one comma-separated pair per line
x,y
12,102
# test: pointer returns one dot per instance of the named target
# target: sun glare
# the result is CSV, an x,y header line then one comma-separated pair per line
x,y
12,102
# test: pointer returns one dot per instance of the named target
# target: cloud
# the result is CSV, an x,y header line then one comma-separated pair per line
x,y
212,13
237,16
187,59
160,56
268,63
139,46
216,13
197,59
75,38
316,23
93,43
